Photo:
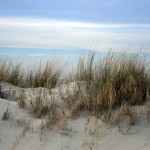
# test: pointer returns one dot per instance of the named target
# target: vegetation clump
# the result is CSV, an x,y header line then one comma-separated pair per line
x,y
113,81
43,76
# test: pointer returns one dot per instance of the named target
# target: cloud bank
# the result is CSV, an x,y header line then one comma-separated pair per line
x,y
39,33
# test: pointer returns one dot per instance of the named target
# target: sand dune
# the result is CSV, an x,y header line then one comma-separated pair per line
x,y
84,132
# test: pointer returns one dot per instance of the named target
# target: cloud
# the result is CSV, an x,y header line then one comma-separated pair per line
x,y
26,22
39,33
38,55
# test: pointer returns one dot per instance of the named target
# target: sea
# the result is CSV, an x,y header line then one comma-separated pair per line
x,y
29,57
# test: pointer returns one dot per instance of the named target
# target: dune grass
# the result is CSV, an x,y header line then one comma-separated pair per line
x,y
115,80
102,88
111,82
42,76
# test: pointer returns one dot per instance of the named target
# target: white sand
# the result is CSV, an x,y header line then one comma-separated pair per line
x,y
76,134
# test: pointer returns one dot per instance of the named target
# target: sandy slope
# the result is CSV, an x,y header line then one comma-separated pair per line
x,y
10,130
85,132
137,138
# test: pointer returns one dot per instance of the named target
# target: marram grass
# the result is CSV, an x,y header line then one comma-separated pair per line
x,y
111,82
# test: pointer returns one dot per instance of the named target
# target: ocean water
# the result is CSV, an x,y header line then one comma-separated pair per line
x,y
34,56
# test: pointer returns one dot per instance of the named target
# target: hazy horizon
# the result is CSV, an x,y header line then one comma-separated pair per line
x,y
56,26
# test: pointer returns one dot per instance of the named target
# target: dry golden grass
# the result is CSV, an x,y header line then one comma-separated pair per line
x,y
111,82
38,108
42,76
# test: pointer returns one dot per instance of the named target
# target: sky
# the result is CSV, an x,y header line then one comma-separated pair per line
x,y
41,26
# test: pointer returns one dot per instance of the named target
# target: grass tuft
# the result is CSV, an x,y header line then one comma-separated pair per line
x,y
113,81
